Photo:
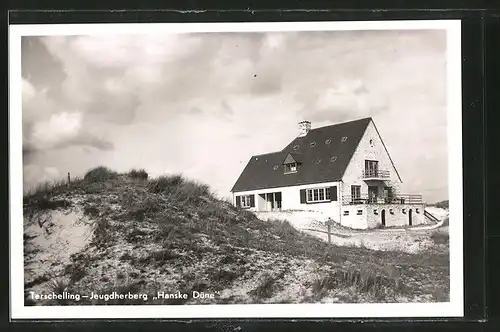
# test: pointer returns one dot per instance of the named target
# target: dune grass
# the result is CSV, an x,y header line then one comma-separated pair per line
x,y
185,225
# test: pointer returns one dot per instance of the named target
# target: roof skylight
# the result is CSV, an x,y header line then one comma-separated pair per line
x,y
313,144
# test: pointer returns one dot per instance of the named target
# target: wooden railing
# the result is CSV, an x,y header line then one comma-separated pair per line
x,y
398,199
376,174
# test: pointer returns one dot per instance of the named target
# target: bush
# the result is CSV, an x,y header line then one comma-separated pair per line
x,y
440,237
443,204
100,174
165,183
140,174
177,188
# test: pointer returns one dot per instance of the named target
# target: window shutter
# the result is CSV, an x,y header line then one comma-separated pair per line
x,y
333,193
252,200
303,196
238,201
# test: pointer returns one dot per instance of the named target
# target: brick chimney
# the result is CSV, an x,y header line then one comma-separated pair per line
x,y
304,128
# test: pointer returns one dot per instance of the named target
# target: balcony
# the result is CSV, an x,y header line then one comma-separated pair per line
x,y
398,199
376,174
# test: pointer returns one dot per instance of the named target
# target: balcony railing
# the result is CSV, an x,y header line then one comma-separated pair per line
x,y
376,174
398,199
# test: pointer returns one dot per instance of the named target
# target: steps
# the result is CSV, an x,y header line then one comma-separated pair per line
x,y
431,217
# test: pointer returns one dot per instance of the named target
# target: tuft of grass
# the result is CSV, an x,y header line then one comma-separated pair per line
x,y
440,237
58,286
140,174
440,295
283,228
100,174
165,183
101,232
266,287
179,190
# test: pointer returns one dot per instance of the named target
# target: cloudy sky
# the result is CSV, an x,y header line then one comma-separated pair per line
x,y
202,104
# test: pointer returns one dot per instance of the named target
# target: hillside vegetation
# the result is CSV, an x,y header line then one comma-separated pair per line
x,y
170,234
443,204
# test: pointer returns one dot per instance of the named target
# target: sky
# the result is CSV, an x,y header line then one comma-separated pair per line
x,y
203,104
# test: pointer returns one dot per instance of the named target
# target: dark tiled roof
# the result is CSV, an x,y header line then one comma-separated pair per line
x,y
323,155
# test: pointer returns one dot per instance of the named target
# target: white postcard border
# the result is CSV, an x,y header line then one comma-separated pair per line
x,y
454,308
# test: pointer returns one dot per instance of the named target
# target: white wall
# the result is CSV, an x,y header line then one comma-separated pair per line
x,y
397,217
291,199
354,172
353,220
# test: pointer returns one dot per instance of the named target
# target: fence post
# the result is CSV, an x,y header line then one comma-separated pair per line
x,y
329,225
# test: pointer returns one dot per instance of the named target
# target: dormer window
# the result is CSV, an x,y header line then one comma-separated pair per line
x,y
290,168
343,139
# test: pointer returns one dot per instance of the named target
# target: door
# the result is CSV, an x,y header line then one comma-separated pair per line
x,y
382,216
372,194
371,168
410,221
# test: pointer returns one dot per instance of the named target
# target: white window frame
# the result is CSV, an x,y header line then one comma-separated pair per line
x,y
245,201
313,195
291,168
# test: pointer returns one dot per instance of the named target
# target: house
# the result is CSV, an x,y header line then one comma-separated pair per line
x,y
343,170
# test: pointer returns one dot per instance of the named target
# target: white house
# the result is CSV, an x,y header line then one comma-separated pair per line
x,y
343,170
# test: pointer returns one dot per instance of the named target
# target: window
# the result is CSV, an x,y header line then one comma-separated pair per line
x,y
417,211
375,211
245,201
295,147
327,193
404,211
391,211
318,195
332,159
275,167
291,168
346,213
313,144
343,139
328,141
318,160
355,192
359,212
371,168
371,142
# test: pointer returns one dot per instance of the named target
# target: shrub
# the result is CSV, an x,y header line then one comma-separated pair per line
x,y
266,287
440,237
443,204
140,174
165,183
100,174
284,229
177,188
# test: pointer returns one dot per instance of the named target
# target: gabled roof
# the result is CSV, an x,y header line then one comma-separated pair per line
x,y
323,153
292,158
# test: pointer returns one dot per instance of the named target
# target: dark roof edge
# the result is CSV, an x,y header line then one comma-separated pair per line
x,y
292,185
342,123
383,144
357,146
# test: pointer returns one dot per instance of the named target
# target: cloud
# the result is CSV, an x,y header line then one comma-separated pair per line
x,y
204,103
46,125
